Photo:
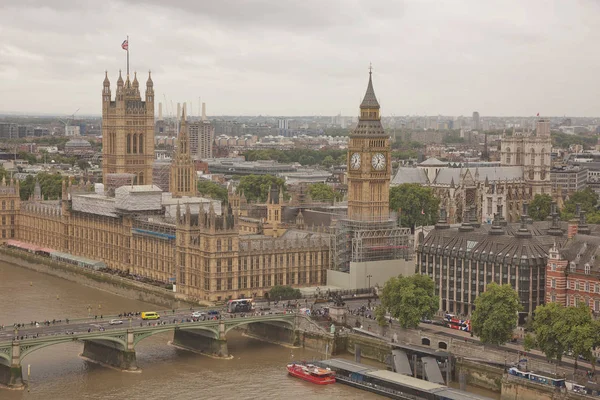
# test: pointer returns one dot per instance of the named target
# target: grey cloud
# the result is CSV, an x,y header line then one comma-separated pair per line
x,y
300,57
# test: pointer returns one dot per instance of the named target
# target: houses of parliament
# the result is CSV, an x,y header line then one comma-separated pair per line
x,y
210,251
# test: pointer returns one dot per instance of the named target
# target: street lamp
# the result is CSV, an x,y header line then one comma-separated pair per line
x,y
369,278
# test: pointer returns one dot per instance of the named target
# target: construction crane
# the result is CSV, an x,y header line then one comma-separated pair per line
x,y
68,121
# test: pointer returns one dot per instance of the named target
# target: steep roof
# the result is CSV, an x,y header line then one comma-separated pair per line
x,y
370,100
493,174
409,175
432,161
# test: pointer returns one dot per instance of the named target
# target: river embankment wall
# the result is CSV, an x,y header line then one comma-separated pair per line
x,y
113,284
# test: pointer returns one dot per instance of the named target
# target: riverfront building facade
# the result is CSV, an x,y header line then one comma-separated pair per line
x,y
210,251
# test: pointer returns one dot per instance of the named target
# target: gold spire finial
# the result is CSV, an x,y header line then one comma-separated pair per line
x,y
370,68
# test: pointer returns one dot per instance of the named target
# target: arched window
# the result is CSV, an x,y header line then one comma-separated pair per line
x,y
141,179
141,144
532,157
129,144
508,155
134,143
543,157
518,156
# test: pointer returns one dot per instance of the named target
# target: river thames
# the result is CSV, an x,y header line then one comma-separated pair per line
x,y
257,370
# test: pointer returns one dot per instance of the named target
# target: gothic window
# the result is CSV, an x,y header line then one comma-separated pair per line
x,y
543,157
508,155
141,144
518,157
531,174
532,157
135,143
542,175
141,179
129,144
219,245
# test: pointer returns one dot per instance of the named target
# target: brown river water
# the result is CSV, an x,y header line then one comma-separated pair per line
x,y
257,370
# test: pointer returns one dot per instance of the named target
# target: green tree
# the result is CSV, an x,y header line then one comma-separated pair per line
x,y
50,184
29,157
323,192
495,316
284,293
588,200
409,299
212,189
539,208
256,187
579,332
415,204
548,337
83,165
328,162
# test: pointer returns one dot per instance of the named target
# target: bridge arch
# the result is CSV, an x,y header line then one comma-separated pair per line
x,y
5,355
139,336
26,348
241,322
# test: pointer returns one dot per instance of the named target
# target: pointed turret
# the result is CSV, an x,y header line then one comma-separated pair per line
x,y
370,100
120,80
106,82
149,82
135,84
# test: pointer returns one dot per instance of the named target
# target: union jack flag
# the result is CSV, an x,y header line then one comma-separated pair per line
x,y
125,45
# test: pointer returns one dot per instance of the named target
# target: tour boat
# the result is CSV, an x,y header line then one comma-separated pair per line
x,y
311,373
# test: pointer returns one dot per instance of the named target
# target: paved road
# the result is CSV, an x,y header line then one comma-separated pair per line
x,y
29,330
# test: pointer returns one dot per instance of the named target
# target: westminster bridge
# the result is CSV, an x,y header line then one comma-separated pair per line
x,y
114,345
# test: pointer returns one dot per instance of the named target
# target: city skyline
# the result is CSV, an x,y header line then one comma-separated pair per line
x,y
268,58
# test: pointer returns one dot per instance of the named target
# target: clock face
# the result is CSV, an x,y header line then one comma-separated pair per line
x,y
355,161
378,162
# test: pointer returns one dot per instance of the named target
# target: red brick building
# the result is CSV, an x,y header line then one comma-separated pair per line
x,y
573,271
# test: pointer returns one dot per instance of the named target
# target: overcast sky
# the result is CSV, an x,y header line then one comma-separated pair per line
x,y
307,57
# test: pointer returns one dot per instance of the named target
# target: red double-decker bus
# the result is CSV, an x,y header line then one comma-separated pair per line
x,y
456,323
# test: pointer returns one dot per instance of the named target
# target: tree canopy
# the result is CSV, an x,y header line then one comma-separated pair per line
x,y
559,329
51,185
409,299
323,157
415,204
323,192
539,208
588,200
256,187
212,189
284,293
495,316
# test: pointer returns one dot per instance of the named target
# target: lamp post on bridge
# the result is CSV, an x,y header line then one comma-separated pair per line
x,y
89,311
369,278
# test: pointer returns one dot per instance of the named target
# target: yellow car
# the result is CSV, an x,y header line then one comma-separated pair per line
x,y
150,315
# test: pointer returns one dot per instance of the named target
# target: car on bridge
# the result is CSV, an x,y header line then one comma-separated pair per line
x,y
150,315
198,314
115,322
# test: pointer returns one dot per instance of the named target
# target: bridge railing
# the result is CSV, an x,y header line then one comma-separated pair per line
x,y
154,325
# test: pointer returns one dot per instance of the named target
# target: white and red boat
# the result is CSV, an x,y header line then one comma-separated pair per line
x,y
311,373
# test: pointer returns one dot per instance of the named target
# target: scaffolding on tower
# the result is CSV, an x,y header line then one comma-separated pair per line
x,y
370,240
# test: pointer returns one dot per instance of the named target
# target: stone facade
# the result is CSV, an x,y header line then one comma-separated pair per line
x,y
128,130
463,261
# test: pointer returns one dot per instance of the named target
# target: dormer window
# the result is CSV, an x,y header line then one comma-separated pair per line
x,y
572,266
587,269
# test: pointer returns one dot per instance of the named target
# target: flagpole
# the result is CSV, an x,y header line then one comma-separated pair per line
x,y
127,55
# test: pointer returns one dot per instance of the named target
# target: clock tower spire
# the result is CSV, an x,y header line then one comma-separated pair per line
x,y
369,169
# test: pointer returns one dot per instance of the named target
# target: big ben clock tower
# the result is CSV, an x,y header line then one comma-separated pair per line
x,y
369,169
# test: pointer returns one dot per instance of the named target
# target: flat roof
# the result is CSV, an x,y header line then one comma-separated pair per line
x,y
347,365
400,379
456,394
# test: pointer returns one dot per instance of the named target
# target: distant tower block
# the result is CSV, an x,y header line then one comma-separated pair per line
x,y
203,111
